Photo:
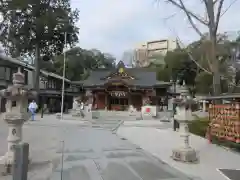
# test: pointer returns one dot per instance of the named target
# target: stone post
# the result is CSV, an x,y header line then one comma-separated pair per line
x,y
183,115
204,108
16,114
75,111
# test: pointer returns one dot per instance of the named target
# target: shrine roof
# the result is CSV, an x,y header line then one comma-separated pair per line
x,y
143,77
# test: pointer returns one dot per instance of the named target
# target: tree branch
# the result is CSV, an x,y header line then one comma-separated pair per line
x,y
190,19
188,12
218,15
209,4
188,52
192,58
229,6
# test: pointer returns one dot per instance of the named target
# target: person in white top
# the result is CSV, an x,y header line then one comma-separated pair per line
x,y
81,109
32,108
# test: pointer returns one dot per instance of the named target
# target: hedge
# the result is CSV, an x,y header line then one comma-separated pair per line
x,y
199,128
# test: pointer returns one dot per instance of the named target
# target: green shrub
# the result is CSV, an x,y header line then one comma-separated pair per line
x,y
223,142
199,126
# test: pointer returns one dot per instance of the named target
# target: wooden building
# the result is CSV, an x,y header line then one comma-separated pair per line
x,y
50,91
120,87
50,84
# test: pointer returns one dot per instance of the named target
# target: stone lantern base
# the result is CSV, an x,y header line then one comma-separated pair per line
x,y
6,164
188,155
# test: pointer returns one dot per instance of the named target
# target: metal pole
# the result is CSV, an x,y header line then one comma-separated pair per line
x,y
174,107
62,160
42,111
64,68
43,100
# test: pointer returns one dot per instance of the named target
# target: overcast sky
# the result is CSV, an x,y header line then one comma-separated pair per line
x,y
116,25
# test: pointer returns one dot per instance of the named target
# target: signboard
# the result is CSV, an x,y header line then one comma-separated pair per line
x,y
118,93
116,84
148,111
224,122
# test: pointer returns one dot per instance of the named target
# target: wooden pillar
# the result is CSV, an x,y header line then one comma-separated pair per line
x,y
144,97
129,99
106,101
167,100
0,104
95,105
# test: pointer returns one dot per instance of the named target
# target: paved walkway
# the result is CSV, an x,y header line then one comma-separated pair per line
x,y
160,143
88,153
147,123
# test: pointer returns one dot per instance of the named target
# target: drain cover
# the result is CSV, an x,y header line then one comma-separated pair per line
x,y
231,174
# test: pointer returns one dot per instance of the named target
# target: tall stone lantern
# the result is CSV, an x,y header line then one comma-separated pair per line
x,y
16,113
88,105
184,115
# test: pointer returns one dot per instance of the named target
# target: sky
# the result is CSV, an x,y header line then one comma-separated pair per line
x,y
114,26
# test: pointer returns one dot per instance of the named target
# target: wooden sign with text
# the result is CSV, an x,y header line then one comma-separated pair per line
x,y
118,94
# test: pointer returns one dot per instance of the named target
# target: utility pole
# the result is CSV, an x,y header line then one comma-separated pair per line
x,y
64,71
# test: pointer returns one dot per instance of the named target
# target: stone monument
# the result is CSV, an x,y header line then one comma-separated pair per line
x,y
16,114
132,111
76,110
183,115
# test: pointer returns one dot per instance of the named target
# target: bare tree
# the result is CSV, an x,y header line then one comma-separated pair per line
x,y
213,12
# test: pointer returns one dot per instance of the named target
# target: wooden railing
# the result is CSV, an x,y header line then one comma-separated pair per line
x,y
225,121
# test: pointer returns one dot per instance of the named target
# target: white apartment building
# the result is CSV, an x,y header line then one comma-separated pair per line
x,y
145,52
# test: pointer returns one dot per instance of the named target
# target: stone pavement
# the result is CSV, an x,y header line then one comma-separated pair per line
x,y
88,153
160,142
147,123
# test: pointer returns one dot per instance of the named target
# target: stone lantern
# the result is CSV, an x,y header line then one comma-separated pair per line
x,y
88,105
89,97
16,113
184,115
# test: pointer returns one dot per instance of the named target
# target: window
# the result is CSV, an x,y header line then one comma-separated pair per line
x,y
50,84
54,84
26,76
58,85
14,103
119,101
2,72
8,74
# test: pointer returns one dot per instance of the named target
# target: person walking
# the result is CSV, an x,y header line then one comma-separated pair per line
x,y
82,109
32,108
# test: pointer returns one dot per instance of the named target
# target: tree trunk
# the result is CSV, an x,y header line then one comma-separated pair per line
x,y
213,55
215,67
36,71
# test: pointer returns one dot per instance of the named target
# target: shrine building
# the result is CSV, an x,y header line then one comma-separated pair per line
x,y
118,88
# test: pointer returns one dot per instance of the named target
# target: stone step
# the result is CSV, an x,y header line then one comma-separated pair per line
x,y
105,122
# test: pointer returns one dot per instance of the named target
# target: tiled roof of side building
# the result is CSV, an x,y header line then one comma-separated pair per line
x,y
30,67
